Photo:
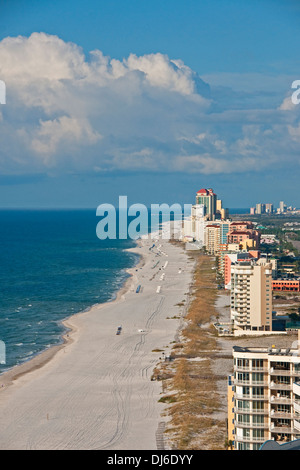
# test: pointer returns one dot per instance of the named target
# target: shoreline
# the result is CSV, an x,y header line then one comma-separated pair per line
x,y
91,355
43,357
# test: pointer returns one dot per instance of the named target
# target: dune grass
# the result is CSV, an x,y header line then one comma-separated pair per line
x,y
189,378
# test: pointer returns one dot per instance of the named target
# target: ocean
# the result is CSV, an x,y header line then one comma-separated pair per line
x,y
52,266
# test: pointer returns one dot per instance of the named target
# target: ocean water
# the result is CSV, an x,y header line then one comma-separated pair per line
x,y
52,265
243,210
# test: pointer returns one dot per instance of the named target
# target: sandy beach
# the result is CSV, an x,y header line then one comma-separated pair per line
x,y
95,391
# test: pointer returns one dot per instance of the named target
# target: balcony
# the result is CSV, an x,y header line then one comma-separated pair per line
x,y
279,400
246,411
252,425
280,386
278,372
254,440
297,406
238,368
251,397
297,425
282,429
281,415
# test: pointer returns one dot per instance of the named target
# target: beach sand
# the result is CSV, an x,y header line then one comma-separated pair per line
x,y
95,390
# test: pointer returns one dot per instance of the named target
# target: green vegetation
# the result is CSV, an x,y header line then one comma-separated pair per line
x,y
287,250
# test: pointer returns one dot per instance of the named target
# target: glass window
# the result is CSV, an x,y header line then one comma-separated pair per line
x,y
258,419
257,363
243,405
284,408
243,376
243,446
257,377
258,405
243,419
258,391
258,433
283,380
256,446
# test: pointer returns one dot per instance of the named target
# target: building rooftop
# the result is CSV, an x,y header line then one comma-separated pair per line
x,y
240,232
203,191
270,351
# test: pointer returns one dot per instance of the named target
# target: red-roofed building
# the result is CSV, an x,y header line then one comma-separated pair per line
x,y
202,191
208,199
240,236
241,225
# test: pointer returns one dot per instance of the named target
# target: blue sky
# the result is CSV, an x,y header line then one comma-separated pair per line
x,y
153,100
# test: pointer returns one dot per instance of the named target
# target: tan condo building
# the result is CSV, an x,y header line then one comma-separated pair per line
x,y
264,397
251,296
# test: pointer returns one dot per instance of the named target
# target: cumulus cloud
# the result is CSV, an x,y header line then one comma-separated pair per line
x,y
66,110
51,134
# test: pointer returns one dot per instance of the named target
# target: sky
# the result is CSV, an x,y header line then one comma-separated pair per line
x,y
153,100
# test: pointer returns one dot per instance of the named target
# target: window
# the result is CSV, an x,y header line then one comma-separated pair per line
x,y
243,363
258,405
297,367
258,391
243,404
283,380
256,446
243,419
243,446
257,377
243,377
258,419
258,433
257,363
284,408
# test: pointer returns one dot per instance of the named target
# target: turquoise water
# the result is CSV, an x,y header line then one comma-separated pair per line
x,y
52,265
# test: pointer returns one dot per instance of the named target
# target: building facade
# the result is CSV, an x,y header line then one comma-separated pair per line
x,y
264,397
251,295
208,199
286,285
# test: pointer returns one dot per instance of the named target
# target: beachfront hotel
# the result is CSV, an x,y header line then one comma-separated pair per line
x,y
264,396
208,199
251,296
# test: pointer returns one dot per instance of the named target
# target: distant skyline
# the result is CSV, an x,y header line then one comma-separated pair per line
x,y
153,100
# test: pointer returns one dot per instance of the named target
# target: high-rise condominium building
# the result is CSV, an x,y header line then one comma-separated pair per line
x,y
269,208
251,295
212,238
260,208
282,206
194,226
264,396
208,198
216,235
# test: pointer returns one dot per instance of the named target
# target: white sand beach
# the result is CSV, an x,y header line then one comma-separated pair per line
x,y
95,391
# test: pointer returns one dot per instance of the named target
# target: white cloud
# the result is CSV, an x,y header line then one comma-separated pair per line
x,y
287,104
51,135
96,113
